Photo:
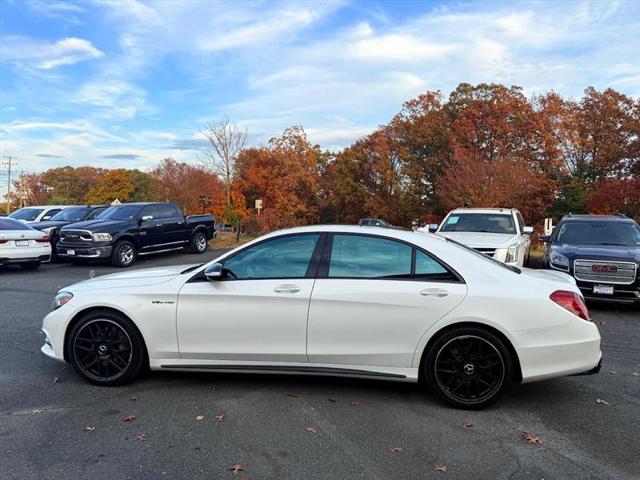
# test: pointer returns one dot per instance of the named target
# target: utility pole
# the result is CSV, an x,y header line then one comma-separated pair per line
x,y
8,163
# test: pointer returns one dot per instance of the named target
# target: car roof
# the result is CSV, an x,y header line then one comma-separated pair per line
x,y
48,206
584,218
484,210
393,232
140,204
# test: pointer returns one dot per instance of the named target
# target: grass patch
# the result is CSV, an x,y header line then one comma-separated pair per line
x,y
228,240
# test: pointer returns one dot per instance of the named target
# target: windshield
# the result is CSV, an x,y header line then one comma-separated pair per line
x,y
599,233
28,214
73,214
124,212
485,257
479,222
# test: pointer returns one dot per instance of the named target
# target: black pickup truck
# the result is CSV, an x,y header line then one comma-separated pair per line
x,y
122,232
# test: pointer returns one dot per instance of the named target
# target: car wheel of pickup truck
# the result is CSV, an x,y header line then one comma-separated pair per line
x,y
123,255
198,242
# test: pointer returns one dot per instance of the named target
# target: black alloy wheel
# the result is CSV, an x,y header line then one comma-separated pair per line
x,y
469,368
105,349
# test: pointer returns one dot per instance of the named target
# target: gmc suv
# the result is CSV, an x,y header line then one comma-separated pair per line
x,y
601,252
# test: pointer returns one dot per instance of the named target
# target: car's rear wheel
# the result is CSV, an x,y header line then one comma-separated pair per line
x,y
468,367
123,254
106,349
30,265
198,242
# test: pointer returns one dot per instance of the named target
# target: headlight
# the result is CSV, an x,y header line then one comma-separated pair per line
x,y
61,298
102,237
559,261
512,253
47,231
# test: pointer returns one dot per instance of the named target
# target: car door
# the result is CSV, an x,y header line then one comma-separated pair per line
x,y
149,230
373,300
258,311
172,225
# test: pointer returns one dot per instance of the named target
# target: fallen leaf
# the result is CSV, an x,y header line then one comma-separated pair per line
x,y
56,380
219,418
602,402
467,424
132,398
440,468
612,372
531,438
89,429
636,374
200,417
36,411
129,418
141,437
332,400
397,449
245,478
294,394
311,429
355,403
237,468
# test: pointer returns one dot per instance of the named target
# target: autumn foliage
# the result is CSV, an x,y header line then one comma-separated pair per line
x,y
483,145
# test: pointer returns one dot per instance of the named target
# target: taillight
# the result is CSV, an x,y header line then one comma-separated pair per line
x,y
44,239
3,241
572,302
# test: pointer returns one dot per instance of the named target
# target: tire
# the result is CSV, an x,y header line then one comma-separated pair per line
x,y
123,254
198,243
468,367
30,265
106,349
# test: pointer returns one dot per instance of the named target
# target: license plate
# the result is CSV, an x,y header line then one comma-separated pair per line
x,y
603,289
22,243
71,252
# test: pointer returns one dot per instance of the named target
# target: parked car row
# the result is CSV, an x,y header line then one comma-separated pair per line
x,y
116,233
601,252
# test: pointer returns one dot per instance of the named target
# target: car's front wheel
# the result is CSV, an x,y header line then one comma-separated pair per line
x,y
468,367
123,254
106,349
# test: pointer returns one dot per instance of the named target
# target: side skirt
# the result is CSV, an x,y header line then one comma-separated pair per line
x,y
290,369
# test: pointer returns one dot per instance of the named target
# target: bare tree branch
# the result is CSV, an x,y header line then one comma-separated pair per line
x,y
226,141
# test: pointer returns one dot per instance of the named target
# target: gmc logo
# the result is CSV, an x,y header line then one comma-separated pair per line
x,y
604,268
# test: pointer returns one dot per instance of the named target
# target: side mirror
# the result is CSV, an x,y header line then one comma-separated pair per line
x,y
47,217
545,238
214,272
527,230
433,227
146,218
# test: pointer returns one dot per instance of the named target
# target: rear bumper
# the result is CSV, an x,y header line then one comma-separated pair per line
x,y
31,259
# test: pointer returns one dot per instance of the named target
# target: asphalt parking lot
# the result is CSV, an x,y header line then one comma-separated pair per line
x,y
55,426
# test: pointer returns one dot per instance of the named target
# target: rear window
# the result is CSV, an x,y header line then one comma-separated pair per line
x,y
10,224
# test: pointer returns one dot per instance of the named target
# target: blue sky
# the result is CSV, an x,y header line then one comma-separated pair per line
x,y
127,83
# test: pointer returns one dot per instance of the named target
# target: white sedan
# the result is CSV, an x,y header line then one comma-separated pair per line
x,y
22,245
336,300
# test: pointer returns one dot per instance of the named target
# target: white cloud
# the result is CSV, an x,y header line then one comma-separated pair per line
x,y
48,55
115,99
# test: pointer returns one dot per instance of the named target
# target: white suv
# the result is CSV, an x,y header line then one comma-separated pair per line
x,y
497,232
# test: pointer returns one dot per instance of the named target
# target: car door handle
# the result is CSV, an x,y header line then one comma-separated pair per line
x,y
434,292
287,289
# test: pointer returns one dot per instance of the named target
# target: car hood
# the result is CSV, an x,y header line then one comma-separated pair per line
x,y
96,225
49,224
598,252
131,278
482,239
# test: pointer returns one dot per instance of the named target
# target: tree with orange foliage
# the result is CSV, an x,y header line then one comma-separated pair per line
x,y
115,184
183,184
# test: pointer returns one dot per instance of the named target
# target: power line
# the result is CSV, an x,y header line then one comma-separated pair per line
x,y
9,163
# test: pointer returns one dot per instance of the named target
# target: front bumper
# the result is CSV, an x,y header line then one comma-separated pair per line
x,y
84,252
629,294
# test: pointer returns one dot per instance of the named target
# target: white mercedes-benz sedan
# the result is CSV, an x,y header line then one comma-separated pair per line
x,y
337,300
22,245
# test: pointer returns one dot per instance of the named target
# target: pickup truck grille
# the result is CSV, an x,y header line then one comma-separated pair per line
x,y
75,237
487,251
623,273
